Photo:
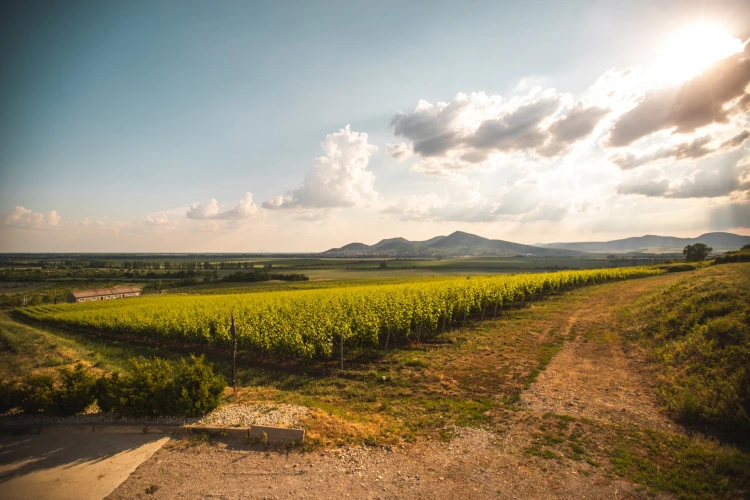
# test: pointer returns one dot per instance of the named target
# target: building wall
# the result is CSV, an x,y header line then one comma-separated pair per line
x,y
97,298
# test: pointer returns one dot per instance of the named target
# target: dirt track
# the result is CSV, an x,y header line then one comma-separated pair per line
x,y
593,376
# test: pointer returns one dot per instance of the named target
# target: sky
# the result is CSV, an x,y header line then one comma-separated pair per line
x,y
238,126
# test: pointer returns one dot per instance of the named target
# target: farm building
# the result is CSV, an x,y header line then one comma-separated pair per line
x,y
96,294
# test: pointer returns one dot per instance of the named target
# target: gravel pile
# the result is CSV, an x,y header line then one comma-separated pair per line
x,y
278,415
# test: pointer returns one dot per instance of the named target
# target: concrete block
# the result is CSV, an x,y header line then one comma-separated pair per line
x,y
276,434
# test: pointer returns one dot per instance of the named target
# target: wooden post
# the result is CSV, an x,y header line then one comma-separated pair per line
x,y
234,355
419,332
496,303
442,330
387,338
341,348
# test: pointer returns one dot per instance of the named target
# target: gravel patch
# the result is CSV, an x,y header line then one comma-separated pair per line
x,y
277,415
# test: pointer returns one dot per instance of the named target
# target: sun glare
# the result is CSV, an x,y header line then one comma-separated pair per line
x,y
695,48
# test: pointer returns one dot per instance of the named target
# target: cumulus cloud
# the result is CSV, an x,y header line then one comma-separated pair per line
x,y
461,134
711,182
698,147
517,129
25,218
399,152
245,209
651,183
340,178
154,220
577,124
710,97
701,181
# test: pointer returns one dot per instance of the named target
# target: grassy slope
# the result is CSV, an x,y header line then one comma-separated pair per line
x,y
26,349
697,334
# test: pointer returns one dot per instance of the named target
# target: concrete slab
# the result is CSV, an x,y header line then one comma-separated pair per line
x,y
63,466
276,434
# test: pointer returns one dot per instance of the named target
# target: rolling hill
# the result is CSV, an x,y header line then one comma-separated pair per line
x,y
461,243
455,244
720,242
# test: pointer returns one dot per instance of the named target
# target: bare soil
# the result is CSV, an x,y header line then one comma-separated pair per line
x,y
594,380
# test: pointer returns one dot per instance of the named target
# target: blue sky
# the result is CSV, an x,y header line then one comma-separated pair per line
x,y
120,116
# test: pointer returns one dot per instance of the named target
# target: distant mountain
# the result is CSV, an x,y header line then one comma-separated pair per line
x,y
455,244
720,242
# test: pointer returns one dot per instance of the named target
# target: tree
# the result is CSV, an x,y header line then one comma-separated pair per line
x,y
697,252
745,247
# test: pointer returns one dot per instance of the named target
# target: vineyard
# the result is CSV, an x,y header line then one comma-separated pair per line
x,y
314,323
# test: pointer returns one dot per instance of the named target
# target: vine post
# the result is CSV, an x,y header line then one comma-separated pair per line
x,y
234,355
341,349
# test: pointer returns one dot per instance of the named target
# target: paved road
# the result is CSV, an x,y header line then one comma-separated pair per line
x,y
71,466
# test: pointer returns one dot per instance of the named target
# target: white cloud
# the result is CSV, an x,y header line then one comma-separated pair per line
x,y
400,152
25,218
649,183
695,148
245,209
712,97
466,133
155,220
705,180
340,178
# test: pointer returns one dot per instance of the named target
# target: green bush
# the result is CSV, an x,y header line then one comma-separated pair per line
x,y
155,387
38,393
196,390
145,392
729,257
106,392
77,391
10,395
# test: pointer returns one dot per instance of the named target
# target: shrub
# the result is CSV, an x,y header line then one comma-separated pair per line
x,y
679,268
145,392
729,257
10,395
106,392
196,390
155,387
76,392
38,393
